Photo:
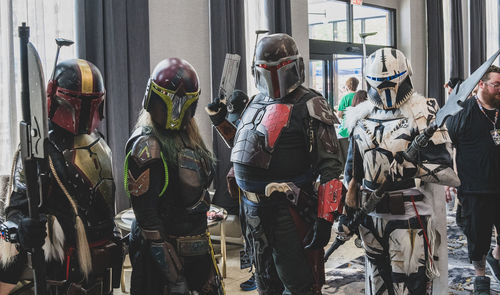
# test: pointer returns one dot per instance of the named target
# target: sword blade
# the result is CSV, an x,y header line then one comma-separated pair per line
x,y
462,91
38,103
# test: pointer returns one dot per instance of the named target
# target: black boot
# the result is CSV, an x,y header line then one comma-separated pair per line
x,y
459,218
482,285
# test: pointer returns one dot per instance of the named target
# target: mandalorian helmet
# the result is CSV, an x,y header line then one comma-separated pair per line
x,y
388,75
172,93
279,69
75,96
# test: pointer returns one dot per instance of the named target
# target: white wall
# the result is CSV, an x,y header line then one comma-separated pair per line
x,y
300,31
181,29
412,39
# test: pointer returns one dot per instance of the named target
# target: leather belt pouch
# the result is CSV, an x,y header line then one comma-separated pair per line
x,y
192,246
395,203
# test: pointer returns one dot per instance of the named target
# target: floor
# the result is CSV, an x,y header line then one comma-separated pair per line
x,y
345,271
235,276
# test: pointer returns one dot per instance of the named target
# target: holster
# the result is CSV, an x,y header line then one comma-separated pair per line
x,y
232,186
96,289
108,256
100,286
173,263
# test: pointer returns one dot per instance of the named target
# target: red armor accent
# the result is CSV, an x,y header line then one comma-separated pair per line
x,y
275,119
330,199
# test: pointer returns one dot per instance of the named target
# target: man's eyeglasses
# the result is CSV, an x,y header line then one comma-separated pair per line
x,y
496,85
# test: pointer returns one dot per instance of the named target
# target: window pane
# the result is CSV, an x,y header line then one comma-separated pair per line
x,y
327,20
372,19
345,67
317,75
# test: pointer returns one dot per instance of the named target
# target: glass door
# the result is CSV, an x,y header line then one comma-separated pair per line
x,y
321,76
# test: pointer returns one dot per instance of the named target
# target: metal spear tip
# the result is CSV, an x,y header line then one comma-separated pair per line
x,y
63,42
364,35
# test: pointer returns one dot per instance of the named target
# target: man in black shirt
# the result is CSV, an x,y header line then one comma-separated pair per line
x,y
475,132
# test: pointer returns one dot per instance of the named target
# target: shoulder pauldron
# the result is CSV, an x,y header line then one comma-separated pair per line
x,y
146,148
319,109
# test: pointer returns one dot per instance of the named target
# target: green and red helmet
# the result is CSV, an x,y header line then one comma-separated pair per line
x,y
75,96
172,93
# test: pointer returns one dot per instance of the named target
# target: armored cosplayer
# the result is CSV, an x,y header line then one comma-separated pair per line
x,y
283,142
78,194
167,172
399,235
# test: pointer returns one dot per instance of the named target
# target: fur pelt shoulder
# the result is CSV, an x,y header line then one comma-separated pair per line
x,y
413,108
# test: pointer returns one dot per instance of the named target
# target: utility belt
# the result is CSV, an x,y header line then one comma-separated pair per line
x,y
394,202
191,245
184,245
107,261
305,203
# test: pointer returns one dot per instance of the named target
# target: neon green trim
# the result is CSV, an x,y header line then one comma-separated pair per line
x,y
166,175
125,173
167,96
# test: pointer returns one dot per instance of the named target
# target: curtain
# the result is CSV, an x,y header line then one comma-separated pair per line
x,y
278,13
227,24
47,20
8,118
457,41
114,35
435,51
477,33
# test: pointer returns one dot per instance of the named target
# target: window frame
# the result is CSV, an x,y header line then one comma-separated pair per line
x,y
323,50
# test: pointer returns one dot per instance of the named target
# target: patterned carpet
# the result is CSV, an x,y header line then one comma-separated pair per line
x,y
349,277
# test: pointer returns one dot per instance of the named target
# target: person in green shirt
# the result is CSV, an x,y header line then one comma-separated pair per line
x,y
346,101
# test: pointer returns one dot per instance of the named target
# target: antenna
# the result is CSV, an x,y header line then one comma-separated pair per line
x,y
60,43
257,33
363,39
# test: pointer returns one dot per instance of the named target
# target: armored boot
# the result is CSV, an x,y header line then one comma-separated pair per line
x,y
482,285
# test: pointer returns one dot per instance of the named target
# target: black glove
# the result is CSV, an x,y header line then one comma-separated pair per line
x,y
342,229
217,111
32,232
322,233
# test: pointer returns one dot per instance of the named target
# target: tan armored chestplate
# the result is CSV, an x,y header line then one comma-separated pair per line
x,y
91,156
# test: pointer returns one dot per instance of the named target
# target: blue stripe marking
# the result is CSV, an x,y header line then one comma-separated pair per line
x,y
388,98
386,78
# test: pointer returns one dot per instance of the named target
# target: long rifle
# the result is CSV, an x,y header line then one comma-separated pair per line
x,y
33,135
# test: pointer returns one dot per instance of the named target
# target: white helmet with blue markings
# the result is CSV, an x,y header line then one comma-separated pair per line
x,y
388,75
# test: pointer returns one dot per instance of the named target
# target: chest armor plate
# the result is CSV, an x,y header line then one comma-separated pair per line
x,y
90,156
194,178
378,139
261,125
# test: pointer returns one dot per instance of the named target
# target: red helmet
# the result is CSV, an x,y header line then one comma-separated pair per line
x,y
172,93
279,69
75,96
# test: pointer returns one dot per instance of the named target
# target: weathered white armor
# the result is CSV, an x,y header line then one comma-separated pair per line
x,y
397,256
381,134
